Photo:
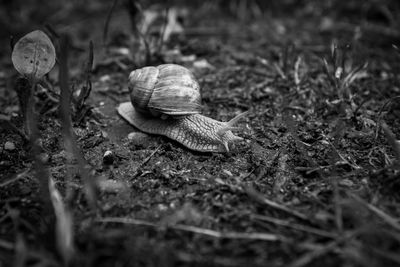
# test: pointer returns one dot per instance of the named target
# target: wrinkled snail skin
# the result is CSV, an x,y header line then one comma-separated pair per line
x,y
196,132
166,100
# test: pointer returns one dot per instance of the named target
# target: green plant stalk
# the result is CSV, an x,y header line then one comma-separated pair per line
x,y
41,173
23,88
70,143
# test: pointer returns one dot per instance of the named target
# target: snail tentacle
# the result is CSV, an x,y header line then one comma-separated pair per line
x,y
227,138
237,118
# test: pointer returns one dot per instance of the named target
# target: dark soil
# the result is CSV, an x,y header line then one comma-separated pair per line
x,y
315,182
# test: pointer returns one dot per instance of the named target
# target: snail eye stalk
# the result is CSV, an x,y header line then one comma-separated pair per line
x,y
226,137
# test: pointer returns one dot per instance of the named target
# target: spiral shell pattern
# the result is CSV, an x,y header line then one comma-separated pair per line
x,y
167,89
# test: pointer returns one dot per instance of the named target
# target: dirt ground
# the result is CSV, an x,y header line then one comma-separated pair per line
x,y
315,182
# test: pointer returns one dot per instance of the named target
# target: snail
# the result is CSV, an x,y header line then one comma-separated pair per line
x,y
165,100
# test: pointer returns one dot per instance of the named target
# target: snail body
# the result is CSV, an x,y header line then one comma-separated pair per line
x,y
165,100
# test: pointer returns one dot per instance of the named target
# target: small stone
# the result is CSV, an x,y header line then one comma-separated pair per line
x,y
9,146
162,207
44,157
105,78
346,183
228,173
203,64
137,136
104,134
139,139
108,157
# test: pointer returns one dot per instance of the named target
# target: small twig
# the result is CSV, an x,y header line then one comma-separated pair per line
x,y
198,230
343,58
150,156
5,123
295,226
392,256
389,101
283,174
33,254
64,225
310,170
391,139
147,47
333,160
6,245
337,206
228,235
89,65
334,55
296,71
279,71
107,23
144,162
292,128
86,89
343,159
311,256
287,52
359,107
251,192
161,43
380,213
14,179
20,251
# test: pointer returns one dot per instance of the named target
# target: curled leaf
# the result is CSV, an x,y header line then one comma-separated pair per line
x,y
34,55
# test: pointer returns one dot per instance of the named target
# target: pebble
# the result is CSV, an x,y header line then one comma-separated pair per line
x,y
346,183
108,157
137,136
9,146
139,139
228,173
44,157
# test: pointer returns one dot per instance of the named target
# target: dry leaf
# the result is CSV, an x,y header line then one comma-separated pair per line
x,y
34,55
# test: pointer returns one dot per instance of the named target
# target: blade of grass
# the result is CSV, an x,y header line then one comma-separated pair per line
x,y
380,213
296,71
292,225
64,225
251,192
107,23
87,88
198,230
6,124
391,138
70,142
309,257
388,102
164,27
14,178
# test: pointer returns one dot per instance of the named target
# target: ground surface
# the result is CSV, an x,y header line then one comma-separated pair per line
x,y
315,183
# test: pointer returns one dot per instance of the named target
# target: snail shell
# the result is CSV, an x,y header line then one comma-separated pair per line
x,y
168,89
166,100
